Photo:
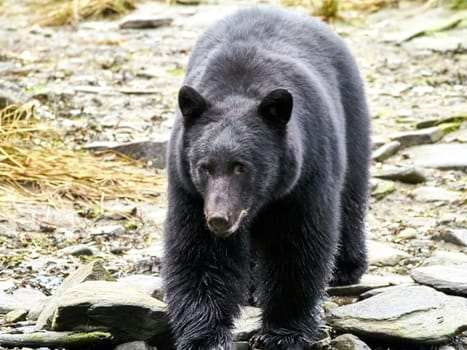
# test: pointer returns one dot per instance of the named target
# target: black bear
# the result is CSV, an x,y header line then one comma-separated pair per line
x,y
268,158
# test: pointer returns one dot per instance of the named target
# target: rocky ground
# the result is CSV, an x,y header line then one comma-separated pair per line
x,y
105,86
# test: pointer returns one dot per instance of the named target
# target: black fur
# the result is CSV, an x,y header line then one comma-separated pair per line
x,y
244,178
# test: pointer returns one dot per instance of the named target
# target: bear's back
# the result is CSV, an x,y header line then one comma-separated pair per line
x,y
273,30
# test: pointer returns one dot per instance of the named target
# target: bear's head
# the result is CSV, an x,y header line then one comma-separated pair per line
x,y
235,150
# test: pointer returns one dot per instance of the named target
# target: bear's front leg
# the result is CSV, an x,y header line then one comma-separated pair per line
x,y
295,260
205,277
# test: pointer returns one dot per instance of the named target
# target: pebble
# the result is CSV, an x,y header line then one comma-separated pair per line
x,y
348,342
144,22
407,233
77,250
16,316
381,188
111,230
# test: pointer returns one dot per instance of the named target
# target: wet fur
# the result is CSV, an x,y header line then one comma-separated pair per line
x,y
306,220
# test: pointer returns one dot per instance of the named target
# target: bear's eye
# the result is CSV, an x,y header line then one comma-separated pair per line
x,y
206,169
239,169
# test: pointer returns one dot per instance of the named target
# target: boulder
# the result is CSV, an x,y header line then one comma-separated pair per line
x,y
110,305
414,314
446,259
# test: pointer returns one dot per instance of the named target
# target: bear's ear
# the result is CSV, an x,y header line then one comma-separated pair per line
x,y
277,107
191,103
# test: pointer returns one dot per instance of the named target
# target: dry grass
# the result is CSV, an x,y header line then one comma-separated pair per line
x,y
35,166
328,10
63,12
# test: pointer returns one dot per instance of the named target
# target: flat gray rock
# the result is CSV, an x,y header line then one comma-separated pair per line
x,y
133,22
381,254
441,42
434,122
112,305
23,298
439,156
409,175
151,285
449,279
446,259
458,237
381,188
348,342
369,282
418,137
372,292
435,194
412,313
386,151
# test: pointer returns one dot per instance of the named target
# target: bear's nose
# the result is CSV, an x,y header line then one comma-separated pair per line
x,y
219,223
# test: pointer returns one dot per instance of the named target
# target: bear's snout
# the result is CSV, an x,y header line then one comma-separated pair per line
x,y
219,224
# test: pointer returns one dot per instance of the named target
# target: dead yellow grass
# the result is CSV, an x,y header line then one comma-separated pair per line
x,y
35,166
63,12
